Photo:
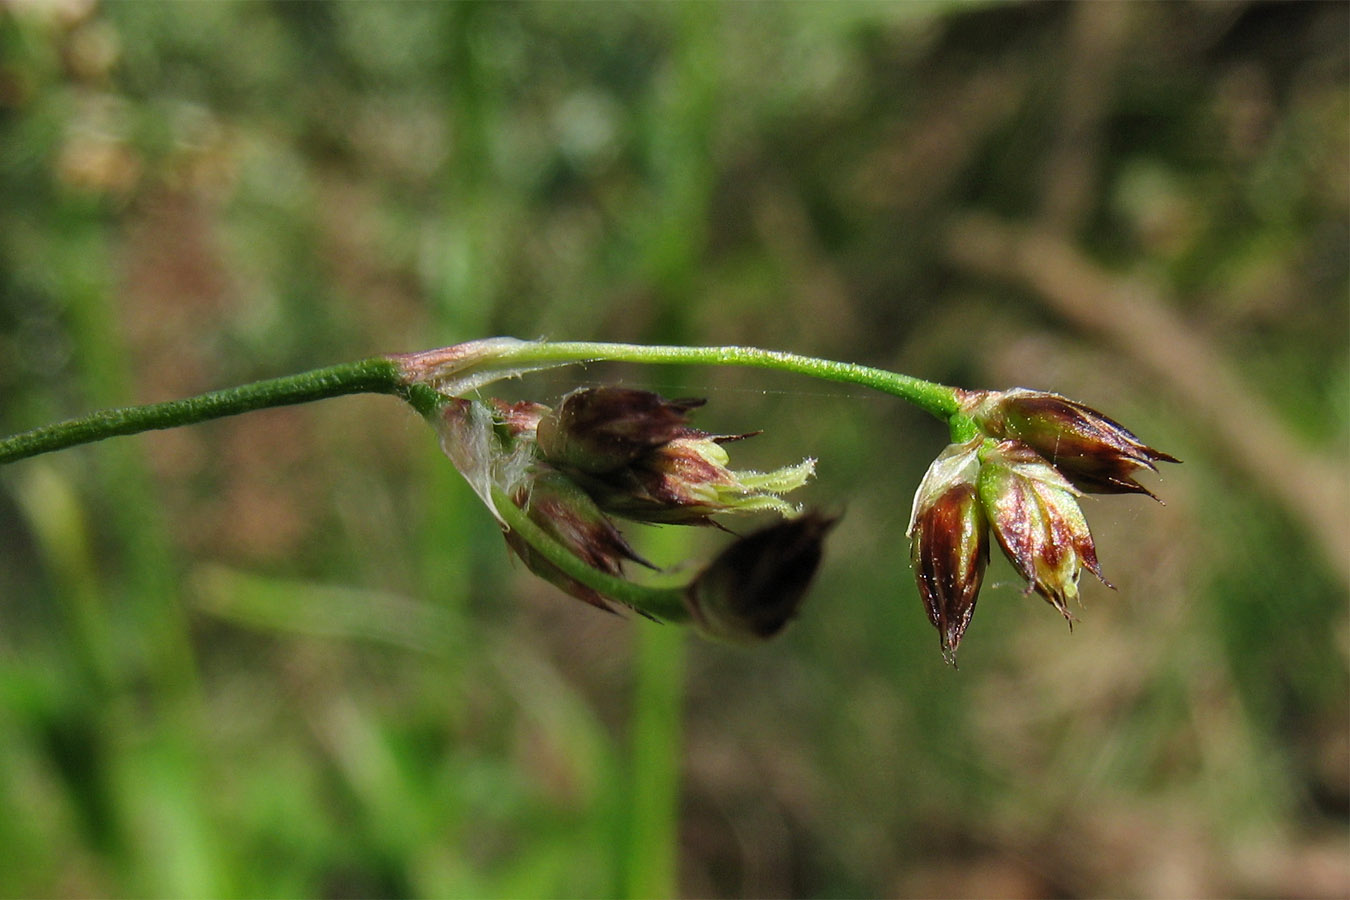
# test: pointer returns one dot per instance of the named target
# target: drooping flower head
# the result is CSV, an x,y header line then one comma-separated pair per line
x,y
1032,456
613,451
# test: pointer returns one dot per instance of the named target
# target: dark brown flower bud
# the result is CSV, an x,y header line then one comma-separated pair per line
x,y
949,543
567,514
599,430
754,587
1096,454
1035,515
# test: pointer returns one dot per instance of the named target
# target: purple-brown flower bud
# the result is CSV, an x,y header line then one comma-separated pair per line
x,y
1035,516
949,543
599,430
568,515
1096,454
755,586
636,454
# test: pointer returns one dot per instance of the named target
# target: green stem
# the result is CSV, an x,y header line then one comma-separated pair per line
x,y
937,399
667,604
962,428
375,375
652,842
414,377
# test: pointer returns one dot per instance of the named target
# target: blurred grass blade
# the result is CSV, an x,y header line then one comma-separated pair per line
x,y
320,610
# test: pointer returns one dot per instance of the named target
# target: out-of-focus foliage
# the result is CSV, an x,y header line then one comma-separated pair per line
x,y
286,654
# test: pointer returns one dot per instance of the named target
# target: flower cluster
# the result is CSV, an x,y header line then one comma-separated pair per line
x,y
615,452
567,472
1020,477
556,478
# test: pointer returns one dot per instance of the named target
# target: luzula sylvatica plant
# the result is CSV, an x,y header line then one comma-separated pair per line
x,y
556,478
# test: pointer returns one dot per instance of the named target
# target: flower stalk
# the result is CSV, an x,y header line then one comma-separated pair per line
x,y
377,375
426,379
937,399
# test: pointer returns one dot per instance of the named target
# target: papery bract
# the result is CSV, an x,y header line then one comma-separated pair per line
x,y
519,420
468,435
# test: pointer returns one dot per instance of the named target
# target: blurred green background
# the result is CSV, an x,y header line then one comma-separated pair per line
x,y
287,654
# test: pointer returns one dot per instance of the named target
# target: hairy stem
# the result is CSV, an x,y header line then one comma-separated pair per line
x,y
416,377
375,375
937,399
